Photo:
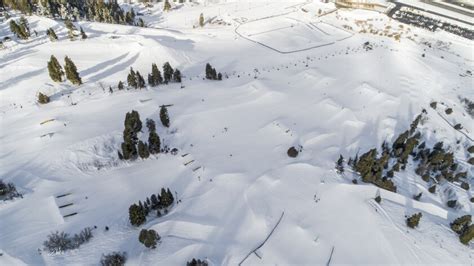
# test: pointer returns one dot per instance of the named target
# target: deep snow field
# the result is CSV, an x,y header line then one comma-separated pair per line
x,y
290,78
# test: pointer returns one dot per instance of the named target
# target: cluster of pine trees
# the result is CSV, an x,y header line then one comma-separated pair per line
x,y
56,71
211,73
132,147
160,203
20,28
8,191
197,262
155,78
433,165
108,11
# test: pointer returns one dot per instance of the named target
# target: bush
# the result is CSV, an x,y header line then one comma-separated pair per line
x,y
432,189
292,152
467,235
414,220
60,242
149,238
451,203
57,242
8,191
42,98
449,111
460,224
114,259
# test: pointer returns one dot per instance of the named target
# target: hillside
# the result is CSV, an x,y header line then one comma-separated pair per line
x,y
332,82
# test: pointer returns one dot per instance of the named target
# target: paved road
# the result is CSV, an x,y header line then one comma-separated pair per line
x,y
400,5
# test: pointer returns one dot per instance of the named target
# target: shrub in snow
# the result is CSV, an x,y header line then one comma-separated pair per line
x,y
463,227
59,241
197,262
149,238
8,191
292,152
451,203
414,220
449,111
42,98
114,259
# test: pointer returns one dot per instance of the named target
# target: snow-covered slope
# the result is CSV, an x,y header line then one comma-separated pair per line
x,y
291,78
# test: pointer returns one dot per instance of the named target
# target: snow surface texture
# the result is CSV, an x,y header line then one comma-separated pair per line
x,y
334,99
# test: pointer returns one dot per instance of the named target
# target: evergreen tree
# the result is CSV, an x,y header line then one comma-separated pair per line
x,y
42,98
340,165
51,34
166,6
136,215
71,72
177,76
219,76
83,34
18,30
140,81
55,70
143,150
155,76
132,79
141,23
154,143
201,20
120,85
167,72
211,72
150,124
25,26
164,117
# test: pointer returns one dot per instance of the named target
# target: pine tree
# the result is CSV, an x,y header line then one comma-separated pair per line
x,y
154,143
155,76
167,72
136,215
25,27
42,98
164,117
132,79
140,81
51,34
18,30
55,70
340,165
71,72
211,72
166,6
143,150
83,34
141,23
201,20
120,85
177,76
